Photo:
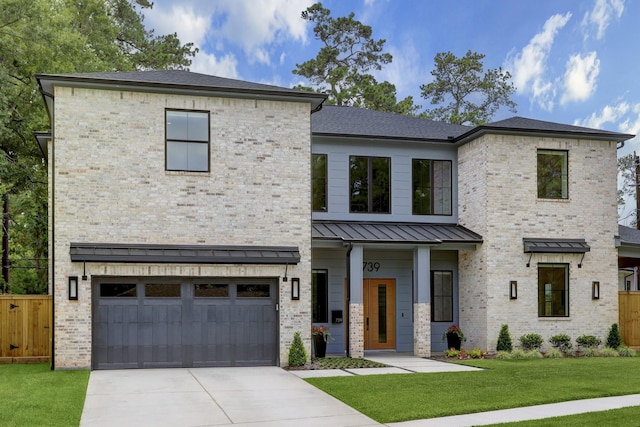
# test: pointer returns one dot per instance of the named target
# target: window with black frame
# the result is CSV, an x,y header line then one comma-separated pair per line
x,y
370,184
431,187
187,140
553,290
442,296
319,296
319,182
553,174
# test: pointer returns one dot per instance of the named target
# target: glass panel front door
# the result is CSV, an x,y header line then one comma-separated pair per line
x,y
379,297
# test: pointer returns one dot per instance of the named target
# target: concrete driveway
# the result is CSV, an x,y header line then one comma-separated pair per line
x,y
256,397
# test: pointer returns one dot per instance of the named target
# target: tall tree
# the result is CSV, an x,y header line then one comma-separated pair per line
x,y
59,36
342,67
467,94
628,168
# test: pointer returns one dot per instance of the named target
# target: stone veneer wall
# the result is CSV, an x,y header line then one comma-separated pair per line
x,y
422,329
498,199
111,187
356,330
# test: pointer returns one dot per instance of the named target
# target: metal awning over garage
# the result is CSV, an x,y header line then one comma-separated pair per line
x,y
388,232
555,246
183,254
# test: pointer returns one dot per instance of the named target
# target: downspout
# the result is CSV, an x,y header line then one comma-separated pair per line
x,y
348,296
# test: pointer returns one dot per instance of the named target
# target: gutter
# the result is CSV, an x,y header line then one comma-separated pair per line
x,y
348,297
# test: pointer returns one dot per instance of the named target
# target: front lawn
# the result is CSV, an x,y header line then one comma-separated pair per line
x,y
504,384
33,395
624,417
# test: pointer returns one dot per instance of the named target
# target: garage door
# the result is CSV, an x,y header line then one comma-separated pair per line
x,y
183,322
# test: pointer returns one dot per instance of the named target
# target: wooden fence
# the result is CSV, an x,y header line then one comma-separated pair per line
x,y
25,328
629,313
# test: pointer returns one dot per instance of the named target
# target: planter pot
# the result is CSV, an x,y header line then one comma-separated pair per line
x,y
320,346
453,341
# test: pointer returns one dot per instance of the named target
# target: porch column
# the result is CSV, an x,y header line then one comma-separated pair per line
x,y
422,301
356,306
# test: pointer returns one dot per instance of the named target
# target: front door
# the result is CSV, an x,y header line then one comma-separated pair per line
x,y
379,298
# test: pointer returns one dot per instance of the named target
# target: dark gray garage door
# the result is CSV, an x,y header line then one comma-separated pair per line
x,y
184,322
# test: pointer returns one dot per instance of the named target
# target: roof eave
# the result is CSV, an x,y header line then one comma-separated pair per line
x,y
484,129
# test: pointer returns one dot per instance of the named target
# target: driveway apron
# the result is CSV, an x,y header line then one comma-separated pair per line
x,y
257,397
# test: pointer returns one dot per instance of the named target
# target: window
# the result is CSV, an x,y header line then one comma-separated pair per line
x,y
253,291
319,182
121,290
319,296
431,187
553,290
553,174
441,296
370,184
162,290
210,291
187,144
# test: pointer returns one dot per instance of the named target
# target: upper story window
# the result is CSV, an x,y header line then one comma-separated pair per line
x,y
553,290
319,182
187,140
553,166
370,184
431,187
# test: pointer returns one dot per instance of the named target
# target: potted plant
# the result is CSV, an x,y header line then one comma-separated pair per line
x,y
320,336
454,336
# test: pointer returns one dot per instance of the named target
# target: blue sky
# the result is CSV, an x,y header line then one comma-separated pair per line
x,y
572,61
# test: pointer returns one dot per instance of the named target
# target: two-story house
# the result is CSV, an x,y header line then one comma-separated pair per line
x,y
201,221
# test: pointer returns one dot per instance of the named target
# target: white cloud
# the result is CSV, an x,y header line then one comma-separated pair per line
x,y
207,63
580,77
609,114
405,71
600,16
529,65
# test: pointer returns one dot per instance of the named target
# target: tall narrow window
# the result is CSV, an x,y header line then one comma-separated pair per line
x,y
553,174
441,296
432,185
187,143
319,296
319,182
553,290
370,184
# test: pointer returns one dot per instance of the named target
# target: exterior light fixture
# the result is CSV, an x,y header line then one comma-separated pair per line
x,y
73,288
595,290
295,288
513,289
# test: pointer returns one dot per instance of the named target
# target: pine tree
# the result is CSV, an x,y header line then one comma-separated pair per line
x,y
504,339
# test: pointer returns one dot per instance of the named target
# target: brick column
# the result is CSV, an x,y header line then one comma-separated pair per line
x,y
356,330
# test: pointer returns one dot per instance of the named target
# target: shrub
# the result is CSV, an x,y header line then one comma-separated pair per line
x,y
531,342
462,354
297,353
504,339
554,353
588,341
503,355
562,342
451,352
614,339
476,353
625,351
518,354
590,352
534,354
609,352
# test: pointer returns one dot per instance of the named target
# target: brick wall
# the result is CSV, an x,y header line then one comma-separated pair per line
x,y
111,187
498,199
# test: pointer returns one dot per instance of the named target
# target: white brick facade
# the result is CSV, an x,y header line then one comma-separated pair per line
x,y
498,199
109,185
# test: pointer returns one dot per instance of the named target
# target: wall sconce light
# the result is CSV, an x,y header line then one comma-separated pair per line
x,y
513,289
295,288
73,288
595,290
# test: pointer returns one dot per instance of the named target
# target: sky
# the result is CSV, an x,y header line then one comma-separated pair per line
x,y
571,61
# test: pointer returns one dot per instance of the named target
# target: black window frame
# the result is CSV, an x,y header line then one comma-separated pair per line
x,y
433,205
168,140
369,187
319,302
442,298
319,196
544,186
543,294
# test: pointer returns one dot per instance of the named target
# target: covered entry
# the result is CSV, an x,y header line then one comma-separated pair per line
x,y
147,322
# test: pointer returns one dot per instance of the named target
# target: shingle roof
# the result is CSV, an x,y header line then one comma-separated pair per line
x,y
629,235
359,122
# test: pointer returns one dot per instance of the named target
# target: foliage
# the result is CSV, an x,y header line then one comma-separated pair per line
x,y
503,355
627,182
343,67
614,339
39,396
453,330
531,342
625,351
518,354
554,353
321,331
346,363
476,353
590,352
297,353
534,354
469,94
451,352
609,352
588,341
65,36
504,339
562,342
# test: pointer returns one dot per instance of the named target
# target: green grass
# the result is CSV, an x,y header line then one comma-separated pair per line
x,y
504,384
32,395
345,363
625,417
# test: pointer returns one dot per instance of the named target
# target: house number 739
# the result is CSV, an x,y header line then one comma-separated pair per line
x,y
370,266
